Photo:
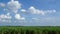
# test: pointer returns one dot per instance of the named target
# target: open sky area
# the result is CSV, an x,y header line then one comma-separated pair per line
x,y
29,12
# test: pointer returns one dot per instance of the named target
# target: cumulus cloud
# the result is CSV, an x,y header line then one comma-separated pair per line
x,y
11,7
33,10
14,6
7,16
18,17
2,5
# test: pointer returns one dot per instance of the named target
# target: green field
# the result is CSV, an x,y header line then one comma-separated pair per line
x,y
29,30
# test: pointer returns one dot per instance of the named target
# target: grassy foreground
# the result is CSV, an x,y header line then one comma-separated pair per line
x,y
29,30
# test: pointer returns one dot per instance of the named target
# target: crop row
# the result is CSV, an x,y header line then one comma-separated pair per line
x,y
29,30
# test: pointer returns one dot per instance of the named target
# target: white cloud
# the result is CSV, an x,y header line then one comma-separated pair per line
x,y
14,6
42,12
23,10
5,20
2,5
7,16
35,11
18,17
51,11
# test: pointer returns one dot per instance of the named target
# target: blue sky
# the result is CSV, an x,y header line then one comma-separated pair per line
x,y
29,13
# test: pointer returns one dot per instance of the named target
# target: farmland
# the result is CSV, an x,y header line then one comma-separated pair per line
x,y
29,30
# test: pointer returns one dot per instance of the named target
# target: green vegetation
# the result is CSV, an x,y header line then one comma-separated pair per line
x,y
29,30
